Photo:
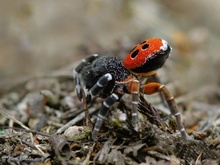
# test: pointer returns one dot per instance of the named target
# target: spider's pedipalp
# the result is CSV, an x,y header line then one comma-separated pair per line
x,y
79,89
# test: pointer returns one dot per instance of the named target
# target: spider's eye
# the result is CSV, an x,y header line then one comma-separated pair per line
x,y
134,54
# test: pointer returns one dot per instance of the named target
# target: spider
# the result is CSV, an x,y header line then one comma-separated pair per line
x,y
108,77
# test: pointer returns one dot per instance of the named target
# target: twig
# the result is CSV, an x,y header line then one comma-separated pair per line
x,y
23,126
159,155
16,121
105,151
12,118
50,122
74,121
30,131
28,144
86,161
198,159
37,146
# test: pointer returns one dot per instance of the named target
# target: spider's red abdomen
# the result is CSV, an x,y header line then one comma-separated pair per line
x,y
147,56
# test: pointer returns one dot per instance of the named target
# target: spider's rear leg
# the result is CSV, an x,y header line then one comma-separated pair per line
x,y
152,88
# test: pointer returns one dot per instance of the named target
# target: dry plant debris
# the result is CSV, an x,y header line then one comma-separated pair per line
x,y
42,122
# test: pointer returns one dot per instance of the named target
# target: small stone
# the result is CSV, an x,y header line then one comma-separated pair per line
x,y
77,132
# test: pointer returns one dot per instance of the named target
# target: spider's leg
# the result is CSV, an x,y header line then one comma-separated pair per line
x,y
99,86
94,91
152,88
103,113
76,74
134,89
156,77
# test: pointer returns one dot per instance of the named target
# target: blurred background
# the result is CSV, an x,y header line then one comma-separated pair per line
x,y
38,37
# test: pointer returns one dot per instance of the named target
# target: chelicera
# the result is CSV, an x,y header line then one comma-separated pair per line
x,y
108,77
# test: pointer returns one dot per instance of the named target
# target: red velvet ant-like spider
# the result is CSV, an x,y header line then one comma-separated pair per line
x,y
108,77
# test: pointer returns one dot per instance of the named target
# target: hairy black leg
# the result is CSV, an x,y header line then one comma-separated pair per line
x,y
103,113
99,86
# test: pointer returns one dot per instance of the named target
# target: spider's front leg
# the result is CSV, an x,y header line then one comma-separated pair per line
x,y
152,88
99,86
94,91
78,85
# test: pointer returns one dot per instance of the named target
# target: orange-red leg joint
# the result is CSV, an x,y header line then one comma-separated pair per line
x,y
134,87
151,88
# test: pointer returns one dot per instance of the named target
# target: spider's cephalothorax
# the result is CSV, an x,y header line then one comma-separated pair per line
x,y
108,77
